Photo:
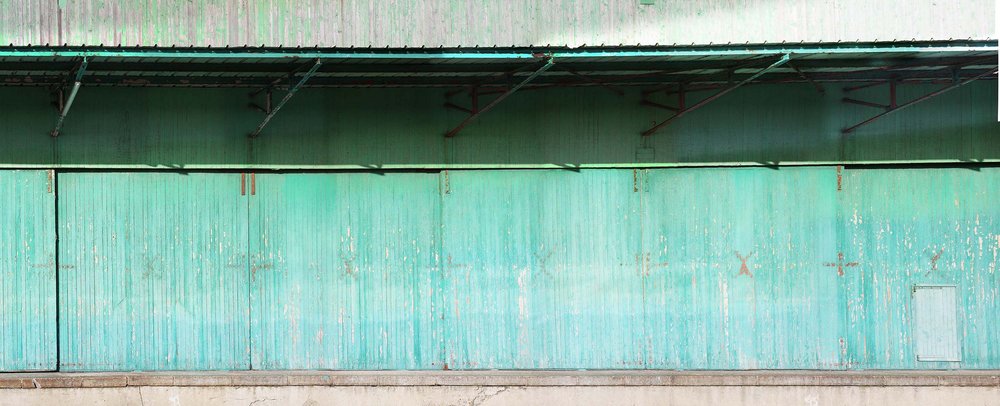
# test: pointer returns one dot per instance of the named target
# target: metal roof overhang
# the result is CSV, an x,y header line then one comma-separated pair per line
x,y
496,67
672,71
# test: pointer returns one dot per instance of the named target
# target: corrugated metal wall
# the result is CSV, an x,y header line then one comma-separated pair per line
x,y
27,271
541,270
364,128
920,226
733,268
344,271
456,22
153,272
721,268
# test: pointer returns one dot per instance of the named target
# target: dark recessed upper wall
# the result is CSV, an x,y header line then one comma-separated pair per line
x,y
486,23
404,128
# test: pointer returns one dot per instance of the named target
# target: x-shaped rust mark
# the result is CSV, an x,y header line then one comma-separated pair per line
x,y
744,270
934,261
840,264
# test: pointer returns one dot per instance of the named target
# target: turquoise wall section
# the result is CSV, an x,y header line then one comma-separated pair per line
x,y
154,272
344,271
541,270
920,226
686,268
27,271
733,272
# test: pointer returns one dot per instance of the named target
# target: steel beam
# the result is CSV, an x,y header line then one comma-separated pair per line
x,y
806,78
288,96
893,107
784,59
69,100
595,81
499,99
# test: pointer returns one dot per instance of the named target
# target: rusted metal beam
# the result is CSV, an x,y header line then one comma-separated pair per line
x,y
595,81
69,100
288,96
499,99
819,88
893,107
784,59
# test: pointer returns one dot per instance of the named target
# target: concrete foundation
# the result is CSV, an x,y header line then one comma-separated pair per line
x,y
503,388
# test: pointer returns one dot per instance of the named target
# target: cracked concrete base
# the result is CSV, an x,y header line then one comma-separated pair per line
x,y
506,395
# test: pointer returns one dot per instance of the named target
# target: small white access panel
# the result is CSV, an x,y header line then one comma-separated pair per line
x,y
935,323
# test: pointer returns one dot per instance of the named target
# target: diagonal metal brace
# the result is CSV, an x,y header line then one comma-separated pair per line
x,y
499,99
893,107
69,100
784,59
288,96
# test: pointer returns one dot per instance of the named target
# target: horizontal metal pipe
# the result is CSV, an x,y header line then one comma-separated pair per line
x,y
991,162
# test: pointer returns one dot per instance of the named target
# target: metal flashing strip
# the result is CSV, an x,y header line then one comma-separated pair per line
x,y
499,53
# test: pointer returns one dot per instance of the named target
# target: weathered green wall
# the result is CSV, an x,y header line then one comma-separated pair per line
x,y
27,271
684,268
154,272
380,128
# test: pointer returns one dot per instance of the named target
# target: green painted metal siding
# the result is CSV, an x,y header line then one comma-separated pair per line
x,y
27,271
920,226
345,271
364,129
520,269
541,270
153,272
733,269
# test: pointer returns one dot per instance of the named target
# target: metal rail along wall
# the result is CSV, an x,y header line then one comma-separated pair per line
x,y
713,268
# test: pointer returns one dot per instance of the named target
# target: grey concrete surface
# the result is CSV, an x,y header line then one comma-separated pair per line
x,y
48,380
549,388
495,396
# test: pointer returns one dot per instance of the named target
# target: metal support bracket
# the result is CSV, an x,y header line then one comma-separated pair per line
x,y
268,99
682,110
894,106
65,105
475,113
819,88
288,96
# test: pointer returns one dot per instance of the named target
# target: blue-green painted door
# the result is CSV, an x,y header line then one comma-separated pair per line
x,y
27,271
734,269
344,271
921,226
153,272
542,269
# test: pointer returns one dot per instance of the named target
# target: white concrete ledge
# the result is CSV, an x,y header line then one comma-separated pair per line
x,y
504,378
